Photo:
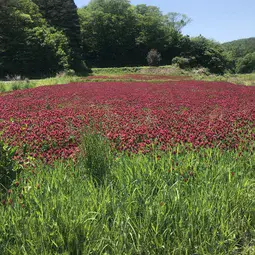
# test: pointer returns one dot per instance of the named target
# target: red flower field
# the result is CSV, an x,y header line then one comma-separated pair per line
x,y
47,121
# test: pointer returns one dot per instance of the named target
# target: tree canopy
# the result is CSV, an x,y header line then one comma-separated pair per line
x,y
29,46
116,33
62,15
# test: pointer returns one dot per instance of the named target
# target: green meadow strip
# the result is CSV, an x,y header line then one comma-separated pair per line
x,y
181,202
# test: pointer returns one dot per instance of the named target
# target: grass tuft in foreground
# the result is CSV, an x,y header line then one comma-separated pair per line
x,y
96,156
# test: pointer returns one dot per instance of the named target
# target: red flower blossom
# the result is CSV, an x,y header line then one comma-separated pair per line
x,y
133,115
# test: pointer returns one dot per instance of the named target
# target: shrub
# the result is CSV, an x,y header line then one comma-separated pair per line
x,y
206,53
27,84
201,71
182,62
2,87
153,58
8,167
69,72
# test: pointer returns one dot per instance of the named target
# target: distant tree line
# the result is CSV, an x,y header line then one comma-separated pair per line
x,y
43,37
242,53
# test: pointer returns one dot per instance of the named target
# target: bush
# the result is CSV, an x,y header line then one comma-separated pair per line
x,y
206,53
201,71
183,63
2,87
8,167
15,86
69,72
153,58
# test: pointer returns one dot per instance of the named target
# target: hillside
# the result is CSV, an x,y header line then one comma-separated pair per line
x,y
241,47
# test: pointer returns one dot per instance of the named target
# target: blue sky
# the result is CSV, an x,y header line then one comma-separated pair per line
x,y
221,20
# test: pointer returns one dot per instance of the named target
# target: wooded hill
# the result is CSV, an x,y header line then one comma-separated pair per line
x,y
242,52
241,47
39,38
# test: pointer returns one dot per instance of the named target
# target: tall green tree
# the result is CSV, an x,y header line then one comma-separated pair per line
x,y
150,31
108,30
150,24
177,20
62,15
202,52
161,32
28,45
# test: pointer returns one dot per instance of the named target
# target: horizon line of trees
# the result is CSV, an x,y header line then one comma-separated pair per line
x,y
39,38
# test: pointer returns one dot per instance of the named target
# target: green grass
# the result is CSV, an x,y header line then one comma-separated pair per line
x,y
161,70
239,79
116,70
57,80
180,202
246,79
243,79
16,85
25,84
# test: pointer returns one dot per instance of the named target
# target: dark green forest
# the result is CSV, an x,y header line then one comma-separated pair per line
x,y
40,38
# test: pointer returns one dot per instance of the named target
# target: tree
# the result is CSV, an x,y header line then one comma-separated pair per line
x,y
62,15
177,20
246,64
150,24
28,45
160,31
108,31
206,53
115,33
240,48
